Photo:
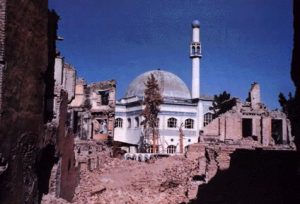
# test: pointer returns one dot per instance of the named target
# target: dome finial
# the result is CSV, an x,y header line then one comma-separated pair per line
x,y
196,24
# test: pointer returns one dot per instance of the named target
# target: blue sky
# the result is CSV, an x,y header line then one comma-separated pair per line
x,y
242,41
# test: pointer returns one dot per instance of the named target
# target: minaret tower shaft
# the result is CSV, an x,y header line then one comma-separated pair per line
x,y
195,55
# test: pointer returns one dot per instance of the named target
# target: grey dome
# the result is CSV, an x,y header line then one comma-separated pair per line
x,y
171,86
196,24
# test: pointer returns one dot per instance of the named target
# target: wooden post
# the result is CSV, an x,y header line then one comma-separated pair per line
x,y
181,138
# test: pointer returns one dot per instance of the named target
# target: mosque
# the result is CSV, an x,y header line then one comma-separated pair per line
x,y
183,113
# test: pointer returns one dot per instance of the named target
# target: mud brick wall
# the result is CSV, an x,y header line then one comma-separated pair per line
x,y
24,54
69,174
2,34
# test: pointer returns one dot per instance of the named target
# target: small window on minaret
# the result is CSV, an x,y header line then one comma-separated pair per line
x,y
193,50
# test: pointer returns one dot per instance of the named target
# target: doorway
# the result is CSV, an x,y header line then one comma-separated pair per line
x,y
277,131
247,127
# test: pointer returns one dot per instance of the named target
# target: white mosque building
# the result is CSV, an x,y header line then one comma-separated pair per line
x,y
182,111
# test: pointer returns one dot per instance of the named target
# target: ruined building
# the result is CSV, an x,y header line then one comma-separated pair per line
x,y
64,174
93,110
250,123
91,118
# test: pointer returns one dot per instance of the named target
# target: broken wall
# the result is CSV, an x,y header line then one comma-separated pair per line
x,y
79,99
233,126
68,174
226,127
69,80
24,32
103,102
255,95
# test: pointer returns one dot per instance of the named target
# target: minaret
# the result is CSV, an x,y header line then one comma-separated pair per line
x,y
195,55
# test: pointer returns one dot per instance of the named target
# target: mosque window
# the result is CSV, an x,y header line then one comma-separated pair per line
x,y
172,122
208,117
129,122
171,149
189,123
119,122
137,122
172,139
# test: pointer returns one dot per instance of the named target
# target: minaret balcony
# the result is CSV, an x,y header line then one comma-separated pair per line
x,y
195,54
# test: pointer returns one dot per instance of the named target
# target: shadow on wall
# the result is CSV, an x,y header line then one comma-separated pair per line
x,y
44,167
254,176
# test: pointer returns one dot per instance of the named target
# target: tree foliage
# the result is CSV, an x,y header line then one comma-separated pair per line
x,y
222,103
288,106
152,101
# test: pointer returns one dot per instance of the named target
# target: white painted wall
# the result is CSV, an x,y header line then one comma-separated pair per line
x,y
196,34
58,70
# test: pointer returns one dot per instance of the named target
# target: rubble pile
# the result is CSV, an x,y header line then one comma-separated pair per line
x,y
166,180
173,179
52,199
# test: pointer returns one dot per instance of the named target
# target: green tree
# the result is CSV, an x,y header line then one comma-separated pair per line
x,y
222,103
152,101
288,106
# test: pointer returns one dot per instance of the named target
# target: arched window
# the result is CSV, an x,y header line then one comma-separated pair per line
x,y
193,50
207,118
129,122
172,122
137,122
119,122
189,123
198,50
171,149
